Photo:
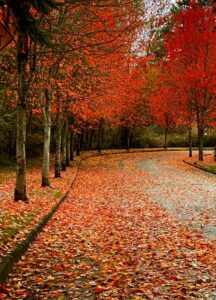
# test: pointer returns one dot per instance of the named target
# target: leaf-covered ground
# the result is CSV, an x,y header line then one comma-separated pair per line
x,y
116,237
17,219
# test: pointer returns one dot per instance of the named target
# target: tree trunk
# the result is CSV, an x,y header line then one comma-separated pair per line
x,y
81,140
117,138
87,139
190,141
20,188
58,145
72,145
165,137
78,145
200,142
68,151
47,136
64,145
131,138
29,121
100,128
12,149
129,132
90,139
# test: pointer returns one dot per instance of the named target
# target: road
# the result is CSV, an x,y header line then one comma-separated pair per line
x,y
134,226
185,192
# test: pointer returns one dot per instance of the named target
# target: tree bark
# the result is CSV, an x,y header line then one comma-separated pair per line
x,y
78,145
68,152
58,145
190,141
117,138
47,137
20,189
81,140
22,55
100,128
200,142
129,132
165,137
72,145
90,138
64,145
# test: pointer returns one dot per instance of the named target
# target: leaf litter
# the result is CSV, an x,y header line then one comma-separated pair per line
x,y
112,240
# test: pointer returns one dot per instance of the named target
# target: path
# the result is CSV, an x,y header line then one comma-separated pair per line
x,y
137,226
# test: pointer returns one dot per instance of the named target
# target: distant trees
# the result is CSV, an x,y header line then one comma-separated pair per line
x,y
191,47
186,85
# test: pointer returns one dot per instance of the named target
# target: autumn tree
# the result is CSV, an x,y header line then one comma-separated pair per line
x,y
24,18
191,47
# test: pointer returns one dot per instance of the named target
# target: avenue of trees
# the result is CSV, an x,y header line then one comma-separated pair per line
x,y
78,66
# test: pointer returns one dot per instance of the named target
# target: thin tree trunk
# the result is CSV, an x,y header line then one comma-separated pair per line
x,y
20,188
87,139
78,145
58,145
165,137
72,145
118,135
128,138
129,132
100,128
90,138
200,142
29,121
12,149
81,140
47,136
64,145
131,138
68,152
190,141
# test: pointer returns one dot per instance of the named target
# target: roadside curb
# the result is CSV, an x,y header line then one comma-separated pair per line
x,y
198,166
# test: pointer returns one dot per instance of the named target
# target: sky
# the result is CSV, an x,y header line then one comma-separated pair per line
x,y
154,9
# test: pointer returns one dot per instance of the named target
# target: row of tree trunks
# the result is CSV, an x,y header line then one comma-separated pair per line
x,y
65,144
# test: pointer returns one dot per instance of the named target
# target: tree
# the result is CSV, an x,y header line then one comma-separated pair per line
x,y
27,26
191,46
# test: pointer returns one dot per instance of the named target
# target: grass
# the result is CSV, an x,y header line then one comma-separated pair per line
x,y
57,194
11,225
210,168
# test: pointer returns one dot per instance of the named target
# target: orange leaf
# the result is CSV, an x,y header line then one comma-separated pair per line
x,y
98,289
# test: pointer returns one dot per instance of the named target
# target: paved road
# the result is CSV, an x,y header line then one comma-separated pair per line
x,y
137,226
186,192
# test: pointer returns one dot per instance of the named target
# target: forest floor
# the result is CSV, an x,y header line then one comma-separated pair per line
x,y
134,226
